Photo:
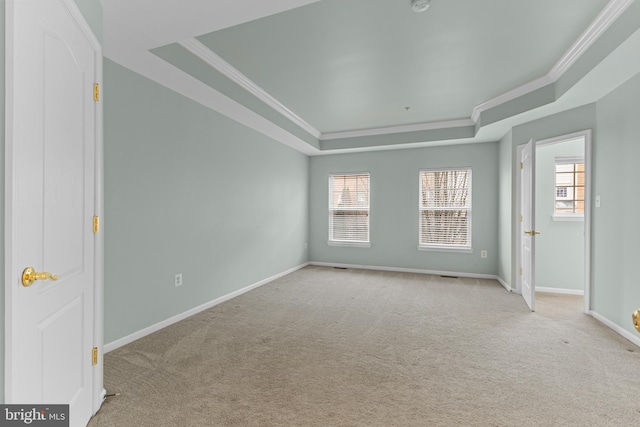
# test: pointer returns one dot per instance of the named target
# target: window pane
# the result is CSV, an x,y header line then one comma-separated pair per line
x,y
445,207
567,167
564,179
570,179
349,208
350,226
445,227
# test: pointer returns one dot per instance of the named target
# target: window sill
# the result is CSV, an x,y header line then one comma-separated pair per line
x,y
350,244
567,217
461,250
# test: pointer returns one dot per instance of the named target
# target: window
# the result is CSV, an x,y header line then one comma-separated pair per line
x,y
569,187
445,209
349,209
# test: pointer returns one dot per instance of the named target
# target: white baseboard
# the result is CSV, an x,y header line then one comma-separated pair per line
x,y
560,291
635,339
407,270
504,284
170,321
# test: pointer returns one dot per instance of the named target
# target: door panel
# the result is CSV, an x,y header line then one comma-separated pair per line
x,y
53,145
527,208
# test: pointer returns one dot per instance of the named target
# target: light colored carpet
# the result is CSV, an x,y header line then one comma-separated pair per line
x,y
329,347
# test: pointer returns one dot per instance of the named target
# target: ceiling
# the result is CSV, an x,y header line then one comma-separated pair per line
x,y
332,75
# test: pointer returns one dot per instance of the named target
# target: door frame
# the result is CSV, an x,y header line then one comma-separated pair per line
x,y
587,135
98,392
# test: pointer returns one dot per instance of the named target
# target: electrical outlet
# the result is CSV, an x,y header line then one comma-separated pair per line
x,y
597,201
483,254
178,280
306,245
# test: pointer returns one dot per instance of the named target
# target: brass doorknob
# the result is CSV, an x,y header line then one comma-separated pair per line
x,y
636,319
29,275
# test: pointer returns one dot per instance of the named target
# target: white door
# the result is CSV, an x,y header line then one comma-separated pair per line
x,y
527,208
51,200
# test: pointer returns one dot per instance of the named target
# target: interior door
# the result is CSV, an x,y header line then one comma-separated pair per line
x,y
51,148
527,238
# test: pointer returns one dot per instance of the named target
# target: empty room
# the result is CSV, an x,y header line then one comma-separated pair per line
x,y
319,212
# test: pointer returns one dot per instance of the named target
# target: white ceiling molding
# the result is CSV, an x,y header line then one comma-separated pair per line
x,y
171,77
398,129
212,59
510,96
139,59
605,18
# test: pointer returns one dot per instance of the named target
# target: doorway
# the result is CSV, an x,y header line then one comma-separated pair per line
x,y
560,217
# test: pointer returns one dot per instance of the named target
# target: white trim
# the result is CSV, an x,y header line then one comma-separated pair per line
x,y
212,59
174,319
406,270
160,71
621,331
504,284
574,218
418,127
510,96
588,160
460,250
605,18
349,244
559,291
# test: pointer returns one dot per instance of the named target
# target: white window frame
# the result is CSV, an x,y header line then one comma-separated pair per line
x,y
467,248
558,216
352,243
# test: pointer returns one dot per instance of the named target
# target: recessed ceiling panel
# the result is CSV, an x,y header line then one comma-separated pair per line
x,y
359,64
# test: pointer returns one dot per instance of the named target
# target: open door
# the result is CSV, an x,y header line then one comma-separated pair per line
x,y
52,153
527,225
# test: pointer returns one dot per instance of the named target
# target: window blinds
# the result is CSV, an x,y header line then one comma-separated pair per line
x,y
445,208
349,208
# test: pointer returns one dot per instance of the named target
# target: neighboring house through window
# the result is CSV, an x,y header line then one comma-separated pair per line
x,y
445,209
349,209
569,188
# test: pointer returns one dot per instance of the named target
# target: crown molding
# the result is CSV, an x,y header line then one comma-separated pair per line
x,y
212,59
601,23
398,129
605,18
509,96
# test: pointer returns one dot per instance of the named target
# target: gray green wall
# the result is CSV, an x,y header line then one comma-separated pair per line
x,y
189,191
560,245
394,208
616,234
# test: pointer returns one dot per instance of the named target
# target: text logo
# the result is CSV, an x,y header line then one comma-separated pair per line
x,y
34,415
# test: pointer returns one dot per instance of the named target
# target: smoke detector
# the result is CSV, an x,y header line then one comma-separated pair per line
x,y
420,5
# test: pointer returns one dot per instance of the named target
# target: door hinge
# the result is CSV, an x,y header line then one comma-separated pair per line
x,y
96,224
94,356
521,271
520,218
96,92
521,165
